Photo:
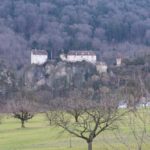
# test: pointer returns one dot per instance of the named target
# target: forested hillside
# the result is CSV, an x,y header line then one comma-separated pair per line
x,y
107,26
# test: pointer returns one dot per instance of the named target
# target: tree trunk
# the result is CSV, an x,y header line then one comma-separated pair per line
x,y
22,124
89,145
76,118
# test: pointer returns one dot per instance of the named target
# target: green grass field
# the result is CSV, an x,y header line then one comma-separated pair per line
x,y
38,135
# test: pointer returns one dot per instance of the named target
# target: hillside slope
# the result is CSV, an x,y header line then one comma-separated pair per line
x,y
106,26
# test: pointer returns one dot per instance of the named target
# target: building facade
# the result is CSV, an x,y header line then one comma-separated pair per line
x,y
119,61
101,67
78,56
39,57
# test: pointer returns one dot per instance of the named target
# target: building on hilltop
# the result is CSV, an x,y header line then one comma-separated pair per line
x,y
119,60
78,56
39,57
101,67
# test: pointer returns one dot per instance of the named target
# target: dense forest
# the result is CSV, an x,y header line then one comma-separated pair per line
x,y
109,27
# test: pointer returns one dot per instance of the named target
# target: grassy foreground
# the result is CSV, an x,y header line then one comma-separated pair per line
x,y
40,136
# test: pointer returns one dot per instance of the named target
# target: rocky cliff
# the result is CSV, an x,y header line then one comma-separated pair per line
x,y
8,83
58,75
62,76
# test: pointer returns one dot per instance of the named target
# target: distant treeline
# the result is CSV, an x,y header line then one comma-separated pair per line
x,y
102,25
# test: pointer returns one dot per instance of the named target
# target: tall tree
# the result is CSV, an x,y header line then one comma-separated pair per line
x,y
84,118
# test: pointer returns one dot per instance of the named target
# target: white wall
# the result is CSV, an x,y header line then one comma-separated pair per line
x,y
88,58
101,68
118,62
63,57
38,59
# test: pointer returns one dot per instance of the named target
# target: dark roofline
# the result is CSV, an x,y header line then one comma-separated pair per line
x,y
83,52
39,52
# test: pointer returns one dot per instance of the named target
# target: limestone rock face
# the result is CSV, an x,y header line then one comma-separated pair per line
x,y
59,75
7,81
49,68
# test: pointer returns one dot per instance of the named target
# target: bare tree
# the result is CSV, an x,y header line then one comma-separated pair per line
x,y
2,104
137,121
22,108
85,118
137,124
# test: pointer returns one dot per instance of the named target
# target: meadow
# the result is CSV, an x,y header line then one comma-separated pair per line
x,y
38,135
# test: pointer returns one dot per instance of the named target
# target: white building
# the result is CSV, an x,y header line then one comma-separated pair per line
x,y
39,57
78,56
101,67
119,61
